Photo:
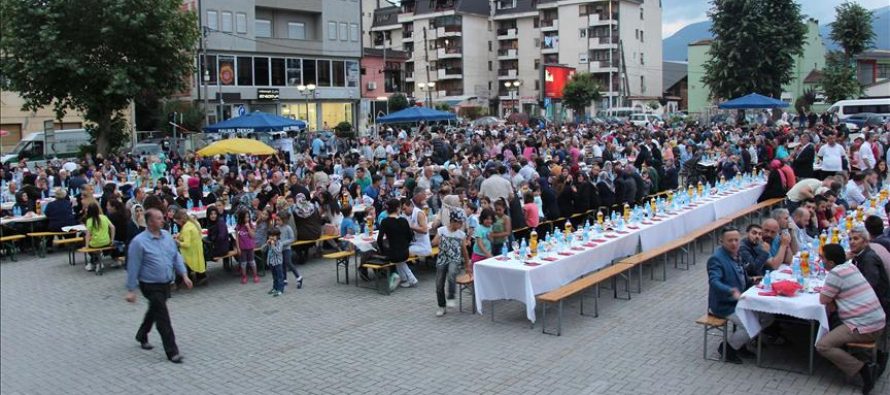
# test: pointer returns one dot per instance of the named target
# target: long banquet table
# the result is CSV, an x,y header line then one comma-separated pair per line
x,y
512,279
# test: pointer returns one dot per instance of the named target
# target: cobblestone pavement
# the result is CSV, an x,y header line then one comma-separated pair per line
x,y
64,330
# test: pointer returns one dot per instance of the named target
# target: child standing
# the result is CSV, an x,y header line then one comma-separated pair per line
x,y
275,260
530,210
287,237
452,242
245,243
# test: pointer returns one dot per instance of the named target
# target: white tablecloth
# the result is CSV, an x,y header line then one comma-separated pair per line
x,y
513,280
804,306
22,219
361,243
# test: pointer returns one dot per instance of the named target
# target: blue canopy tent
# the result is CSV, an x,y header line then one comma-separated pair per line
x,y
417,114
753,100
256,122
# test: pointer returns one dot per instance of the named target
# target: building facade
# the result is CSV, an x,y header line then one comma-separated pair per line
x,y
812,59
266,55
479,51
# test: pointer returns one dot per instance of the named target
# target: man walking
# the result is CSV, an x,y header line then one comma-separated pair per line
x,y
152,258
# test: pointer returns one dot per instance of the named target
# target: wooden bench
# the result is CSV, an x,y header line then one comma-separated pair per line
x,y
578,287
41,237
8,244
98,250
710,322
766,204
226,259
70,246
381,281
341,258
314,242
869,348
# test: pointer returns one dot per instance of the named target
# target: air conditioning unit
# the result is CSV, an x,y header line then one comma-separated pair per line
x,y
372,85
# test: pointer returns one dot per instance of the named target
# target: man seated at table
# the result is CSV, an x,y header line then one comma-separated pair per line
x,y
846,291
753,252
783,217
778,243
801,220
59,212
727,280
870,265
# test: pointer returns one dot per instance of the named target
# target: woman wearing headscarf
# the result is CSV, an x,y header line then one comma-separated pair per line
x,y
776,182
217,233
606,187
307,224
450,203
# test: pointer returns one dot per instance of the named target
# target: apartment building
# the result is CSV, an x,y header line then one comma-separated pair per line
x,y
619,41
268,55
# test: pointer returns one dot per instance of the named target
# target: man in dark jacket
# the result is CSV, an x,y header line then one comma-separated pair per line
x,y
59,212
752,251
870,265
803,161
727,281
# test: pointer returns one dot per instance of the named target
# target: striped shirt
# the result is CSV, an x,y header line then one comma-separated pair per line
x,y
857,304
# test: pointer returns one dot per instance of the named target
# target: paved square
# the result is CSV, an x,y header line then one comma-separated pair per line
x,y
65,330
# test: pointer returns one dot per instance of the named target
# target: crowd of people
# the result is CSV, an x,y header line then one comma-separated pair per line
x,y
463,189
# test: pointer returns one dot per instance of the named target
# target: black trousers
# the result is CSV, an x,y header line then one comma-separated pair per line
x,y
158,315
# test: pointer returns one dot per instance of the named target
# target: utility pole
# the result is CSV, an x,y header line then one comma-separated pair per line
x,y
205,76
611,104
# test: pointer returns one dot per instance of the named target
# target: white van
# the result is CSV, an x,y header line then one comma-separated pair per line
x,y
846,108
31,148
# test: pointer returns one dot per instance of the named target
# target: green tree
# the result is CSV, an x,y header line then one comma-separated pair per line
x,y
839,78
397,102
852,28
755,44
581,90
96,56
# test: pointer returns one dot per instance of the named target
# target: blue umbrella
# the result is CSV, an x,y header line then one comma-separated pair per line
x,y
256,122
753,101
416,114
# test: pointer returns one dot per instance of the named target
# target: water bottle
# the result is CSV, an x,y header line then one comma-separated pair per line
x,y
189,205
504,250
175,229
523,249
767,281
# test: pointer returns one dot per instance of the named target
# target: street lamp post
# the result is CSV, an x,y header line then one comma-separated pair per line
x,y
513,87
428,88
306,91
206,99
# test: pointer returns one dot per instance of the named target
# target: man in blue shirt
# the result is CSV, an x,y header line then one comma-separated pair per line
x,y
152,258
317,146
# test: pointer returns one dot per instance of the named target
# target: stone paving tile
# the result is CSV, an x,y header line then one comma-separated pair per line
x,y
64,330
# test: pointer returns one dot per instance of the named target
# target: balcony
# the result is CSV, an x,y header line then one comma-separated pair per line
x,y
451,92
603,42
407,35
507,34
507,74
552,47
449,53
603,65
449,31
549,25
600,20
450,73
409,76
507,53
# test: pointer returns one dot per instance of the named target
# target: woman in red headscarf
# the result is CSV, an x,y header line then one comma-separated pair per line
x,y
777,182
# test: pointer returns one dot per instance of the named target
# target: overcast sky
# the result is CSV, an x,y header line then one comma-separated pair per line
x,y
679,13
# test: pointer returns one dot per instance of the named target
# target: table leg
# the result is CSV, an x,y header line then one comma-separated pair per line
x,y
812,344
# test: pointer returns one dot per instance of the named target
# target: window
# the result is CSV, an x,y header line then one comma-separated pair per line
x,y
354,32
332,30
339,71
582,33
278,73
227,70
324,73
642,84
537,22
263,28
241,23
294,72
641,36
537,85
489,66
642,62
637,34
211,69
261,71
883,71
352,77
641,13
489,46
212,20
537,64
245,71
309,71
296,31
344,31
226,22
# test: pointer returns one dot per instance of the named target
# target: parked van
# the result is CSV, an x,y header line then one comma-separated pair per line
x,y
845,108
32,148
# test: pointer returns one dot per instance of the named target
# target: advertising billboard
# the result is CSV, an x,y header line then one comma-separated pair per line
x,y
555,79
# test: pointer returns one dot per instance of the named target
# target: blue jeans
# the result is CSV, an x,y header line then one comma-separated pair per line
x,y
286,255
278,277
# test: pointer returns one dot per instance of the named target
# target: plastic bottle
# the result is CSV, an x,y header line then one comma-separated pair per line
x,y
523,250
504,250
767,281
805,263
175,229
533,242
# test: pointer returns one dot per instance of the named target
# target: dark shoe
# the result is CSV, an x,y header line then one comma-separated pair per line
x,y
144,344
176,358
744,353
868,378
731,355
